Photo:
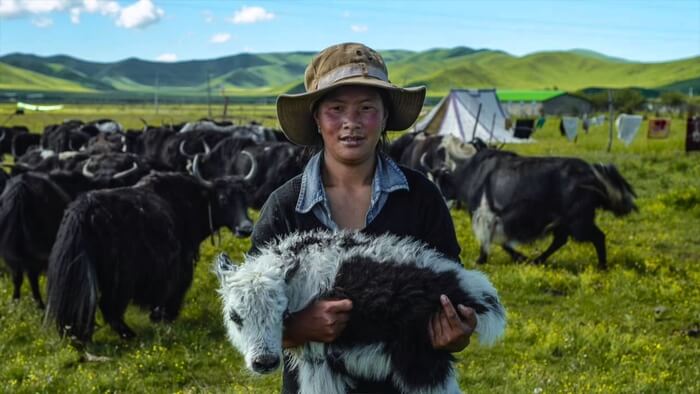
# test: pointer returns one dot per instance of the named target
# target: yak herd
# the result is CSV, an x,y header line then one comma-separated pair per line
x,y
116,217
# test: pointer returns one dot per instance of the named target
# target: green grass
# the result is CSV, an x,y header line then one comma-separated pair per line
x,y
571,329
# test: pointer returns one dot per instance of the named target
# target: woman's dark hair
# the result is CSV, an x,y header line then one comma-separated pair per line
x,y
382,145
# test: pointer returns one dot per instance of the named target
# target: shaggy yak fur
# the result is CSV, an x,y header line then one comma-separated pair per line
x,y
31,209
136,244
395,286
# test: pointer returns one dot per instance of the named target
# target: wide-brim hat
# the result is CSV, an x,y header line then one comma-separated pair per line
x,y
342,65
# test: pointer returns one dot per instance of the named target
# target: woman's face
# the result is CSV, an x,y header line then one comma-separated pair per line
x,y
351,119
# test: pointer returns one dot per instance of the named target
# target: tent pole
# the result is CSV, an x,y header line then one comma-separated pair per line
x,y
476,122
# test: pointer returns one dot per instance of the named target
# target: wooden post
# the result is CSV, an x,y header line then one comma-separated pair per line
x,y
610,114
209,95
155,96
225,106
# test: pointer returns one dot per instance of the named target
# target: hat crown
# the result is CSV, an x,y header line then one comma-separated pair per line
x,y
342,61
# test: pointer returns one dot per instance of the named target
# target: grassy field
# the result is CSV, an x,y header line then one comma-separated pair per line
x,y
572,328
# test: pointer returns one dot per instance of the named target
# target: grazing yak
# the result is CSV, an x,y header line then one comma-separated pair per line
x,y
268,165
32,206
7,136
424,153
395,286
515,199
136,244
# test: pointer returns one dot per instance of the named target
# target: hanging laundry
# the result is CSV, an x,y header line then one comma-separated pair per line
x,y
570,126
627,127
659,128
540,122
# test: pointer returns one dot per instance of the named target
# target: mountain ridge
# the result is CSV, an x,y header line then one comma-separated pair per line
x,y
273,73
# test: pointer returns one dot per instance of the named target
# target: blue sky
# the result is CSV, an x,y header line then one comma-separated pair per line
x,y
174,30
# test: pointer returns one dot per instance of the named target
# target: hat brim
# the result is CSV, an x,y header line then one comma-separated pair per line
x,y
298,124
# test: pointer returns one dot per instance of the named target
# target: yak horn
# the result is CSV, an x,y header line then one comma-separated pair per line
x,y
206,147
2,136
86,172
182,149
124,173
195,166
253,166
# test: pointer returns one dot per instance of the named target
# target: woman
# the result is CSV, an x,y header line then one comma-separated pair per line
x,y
348,106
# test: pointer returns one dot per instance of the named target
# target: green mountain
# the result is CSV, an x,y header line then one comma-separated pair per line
x,y
269,74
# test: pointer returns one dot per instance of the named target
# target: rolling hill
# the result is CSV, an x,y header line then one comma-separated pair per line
x,y
270,74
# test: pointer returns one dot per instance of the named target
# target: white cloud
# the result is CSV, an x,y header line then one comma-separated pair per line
x,y
10,9
208,16
140,14
45,6
220,38
77,8
251,15
102,7
167,57
359,28
42,22
20,8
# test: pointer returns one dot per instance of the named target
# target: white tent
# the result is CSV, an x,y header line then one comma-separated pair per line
x,y
469,113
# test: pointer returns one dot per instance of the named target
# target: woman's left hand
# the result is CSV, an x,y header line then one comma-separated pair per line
x,y
450,330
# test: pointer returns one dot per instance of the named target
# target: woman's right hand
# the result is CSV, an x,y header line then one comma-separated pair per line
x,y
322,321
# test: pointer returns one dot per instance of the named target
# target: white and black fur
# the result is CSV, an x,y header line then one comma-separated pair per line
x,y
394,284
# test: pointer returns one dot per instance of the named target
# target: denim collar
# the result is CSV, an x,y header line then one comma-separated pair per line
x,y
387,179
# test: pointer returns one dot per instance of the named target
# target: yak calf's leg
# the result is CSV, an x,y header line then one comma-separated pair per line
x,y
560,239
34,283
421,369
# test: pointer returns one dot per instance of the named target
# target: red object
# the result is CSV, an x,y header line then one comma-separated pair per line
x,y
659,128
692,138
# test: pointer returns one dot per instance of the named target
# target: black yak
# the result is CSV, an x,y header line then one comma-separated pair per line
x,y
32,206
136,244
515,199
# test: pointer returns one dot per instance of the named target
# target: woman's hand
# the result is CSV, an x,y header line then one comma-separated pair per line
x,y
322,321
451,331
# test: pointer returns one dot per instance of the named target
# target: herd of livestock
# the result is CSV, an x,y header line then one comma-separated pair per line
x,y
116,217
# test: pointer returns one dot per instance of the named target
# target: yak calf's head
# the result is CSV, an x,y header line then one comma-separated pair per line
x,y
254,304
230,205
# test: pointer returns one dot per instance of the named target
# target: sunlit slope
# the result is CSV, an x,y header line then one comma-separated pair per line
x,y
13,78
274,73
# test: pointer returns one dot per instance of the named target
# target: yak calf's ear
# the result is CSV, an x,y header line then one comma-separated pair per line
x,y
223,267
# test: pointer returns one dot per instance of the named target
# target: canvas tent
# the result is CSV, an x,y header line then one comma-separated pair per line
x,y
457,114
